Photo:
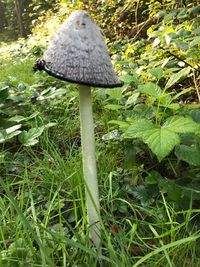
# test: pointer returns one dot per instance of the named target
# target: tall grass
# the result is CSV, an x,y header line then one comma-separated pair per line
x,y
43,220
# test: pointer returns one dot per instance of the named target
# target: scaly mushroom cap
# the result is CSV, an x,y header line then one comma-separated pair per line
x,y
78,53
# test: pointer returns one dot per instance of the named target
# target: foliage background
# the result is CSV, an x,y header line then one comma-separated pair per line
x,y
149,130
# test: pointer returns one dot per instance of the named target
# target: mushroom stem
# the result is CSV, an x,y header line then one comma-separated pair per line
x,y
89,164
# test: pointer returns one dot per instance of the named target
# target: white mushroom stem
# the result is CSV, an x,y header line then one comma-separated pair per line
x,y
89,164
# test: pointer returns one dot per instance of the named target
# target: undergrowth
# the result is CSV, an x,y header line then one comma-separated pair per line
x,y
147,146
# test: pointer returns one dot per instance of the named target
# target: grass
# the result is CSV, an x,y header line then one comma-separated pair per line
x,y
43,221
14,66
42,205
17,71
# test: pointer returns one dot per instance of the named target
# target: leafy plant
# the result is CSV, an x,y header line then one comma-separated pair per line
x,y
161,139
147,143
19,110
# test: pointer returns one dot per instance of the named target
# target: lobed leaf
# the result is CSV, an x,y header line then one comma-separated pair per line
x,y
150,89
181,125
139,128
161,141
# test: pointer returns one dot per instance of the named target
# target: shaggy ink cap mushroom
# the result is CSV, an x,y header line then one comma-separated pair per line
x,y
78,53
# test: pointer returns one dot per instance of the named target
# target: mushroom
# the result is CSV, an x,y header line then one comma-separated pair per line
x,y
78,54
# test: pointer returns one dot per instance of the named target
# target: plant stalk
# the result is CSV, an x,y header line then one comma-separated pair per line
x,y
89,164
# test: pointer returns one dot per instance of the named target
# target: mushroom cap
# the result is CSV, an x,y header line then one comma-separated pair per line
x,y
78,53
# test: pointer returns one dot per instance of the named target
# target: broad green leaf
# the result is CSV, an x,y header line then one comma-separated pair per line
x,y
177,76
143,111
190,154
127,78
30,138
156,72
139,128
165,100
181,125
115,93
161,141
151,89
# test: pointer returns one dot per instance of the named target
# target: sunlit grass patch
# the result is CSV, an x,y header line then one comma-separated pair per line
x,y
17,70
